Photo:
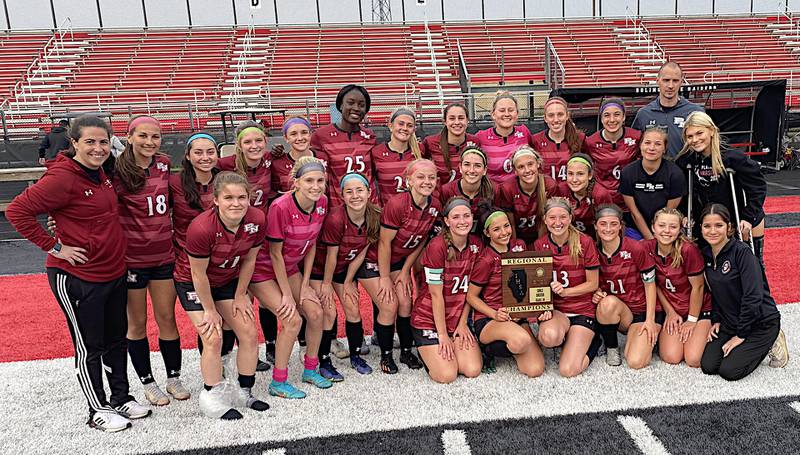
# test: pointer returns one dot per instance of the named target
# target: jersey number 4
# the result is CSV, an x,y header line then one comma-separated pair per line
x,y
460,284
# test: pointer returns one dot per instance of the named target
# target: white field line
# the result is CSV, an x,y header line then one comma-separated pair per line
x,y
642,436
455,443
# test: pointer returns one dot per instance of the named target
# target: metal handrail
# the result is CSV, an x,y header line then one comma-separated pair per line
x,y
557,70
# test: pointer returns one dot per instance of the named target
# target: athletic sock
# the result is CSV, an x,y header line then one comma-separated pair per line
x,y
207,387
404,332
301,337
139,351
325,344
280,374
609,334
385,338
228,339
355,336
171,353
310,363
375,312
593,347
270,347
269,325
247,381
200,344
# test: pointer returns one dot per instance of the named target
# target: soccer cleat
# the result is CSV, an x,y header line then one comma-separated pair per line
x,y
215,403
339,349
373,340
364,349
387,365
243,396
410,360
133,410
329,372
285,390
488,364
779,352
360,365
154,394
108,421
613,358
262,366
176,388
316,379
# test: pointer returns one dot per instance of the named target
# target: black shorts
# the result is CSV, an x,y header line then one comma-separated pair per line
x,y
581,320
188,296
139,278
425,337
338,278
480,324
370,269
660,317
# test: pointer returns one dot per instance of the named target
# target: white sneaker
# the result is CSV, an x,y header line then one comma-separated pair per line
x,y
108,421
176,388
365,347
779,352
133,410
154,394
243,397
339,349
612,357
215,403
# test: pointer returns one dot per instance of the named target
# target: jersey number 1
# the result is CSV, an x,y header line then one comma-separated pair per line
x,y
160,205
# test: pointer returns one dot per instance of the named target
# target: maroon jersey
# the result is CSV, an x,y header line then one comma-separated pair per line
x,y
674,282
431,148
571,274
258,177
339,231
623,272
487,274
145,217
412,223
453,275
499,150
389,168
554,154
182,212
510,197
295,228
281,175
453,189
343,153
208,237
610,158
583,210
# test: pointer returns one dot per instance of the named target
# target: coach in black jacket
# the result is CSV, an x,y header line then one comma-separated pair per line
x,y
745,319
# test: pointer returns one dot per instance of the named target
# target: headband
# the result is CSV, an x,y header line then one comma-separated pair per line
x,y
495,215
474,151
580,159
417,164
351,176
311,166
402,111
608,210
455,202
249,129
524,151
607,105
140,121
552,101
201,136
295,121
557,202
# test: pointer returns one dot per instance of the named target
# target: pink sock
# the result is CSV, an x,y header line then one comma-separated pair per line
x,y
310,363
280,374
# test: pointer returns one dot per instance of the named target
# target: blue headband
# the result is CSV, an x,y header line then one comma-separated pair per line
x,y
201,136
309,167
295,121
351,176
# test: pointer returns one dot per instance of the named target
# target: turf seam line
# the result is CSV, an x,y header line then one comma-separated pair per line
x,y
642,436
455,442
279,451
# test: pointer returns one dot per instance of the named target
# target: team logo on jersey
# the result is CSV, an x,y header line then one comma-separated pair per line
x,y
88,192
364,135
334,133
518,248
726,267
251,228
629,141
321,211
625,254
544,144
471,144
519,134
162,167
295,216
649,187
108,183
433,211
679,121
131,277
473,248
267,163
192,296
386,154
219,234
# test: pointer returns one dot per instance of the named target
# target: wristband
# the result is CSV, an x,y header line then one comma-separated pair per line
x,y
691,318
56,249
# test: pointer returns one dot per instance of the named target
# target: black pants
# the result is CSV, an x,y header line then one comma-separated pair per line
x,y
98,323
746,357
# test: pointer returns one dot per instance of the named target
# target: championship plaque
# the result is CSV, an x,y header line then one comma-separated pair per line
x,y
526,281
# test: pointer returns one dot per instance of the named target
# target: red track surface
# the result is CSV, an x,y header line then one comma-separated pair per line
x,y
782,204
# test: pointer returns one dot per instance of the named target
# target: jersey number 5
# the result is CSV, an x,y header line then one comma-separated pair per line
x,y
355,164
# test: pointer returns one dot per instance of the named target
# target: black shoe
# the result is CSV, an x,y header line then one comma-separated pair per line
x,y
388,366
262,366
409,359
302,341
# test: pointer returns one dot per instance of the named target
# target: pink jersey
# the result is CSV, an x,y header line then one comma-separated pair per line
x,y
431,148
499,149
208,237
296,229
339,231
145,217
571,274
258,177
674,281
343,153
487,273
412,223
583,210
623,272
182,212
554,154
389,168
610,158
510,197
452,275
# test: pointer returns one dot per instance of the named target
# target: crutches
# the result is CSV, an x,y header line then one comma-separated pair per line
x,y
731,173
689,219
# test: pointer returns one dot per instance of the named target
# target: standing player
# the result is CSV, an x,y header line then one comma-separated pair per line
x,y
297,132
650,184
391,158
294,222
500,335
559,140
406,222
681,290
211,280
500,142
524,197
445,148
612,147
472,184
345,236
142,184
626,300
575,278
439,318
583,193
345,147
86,266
